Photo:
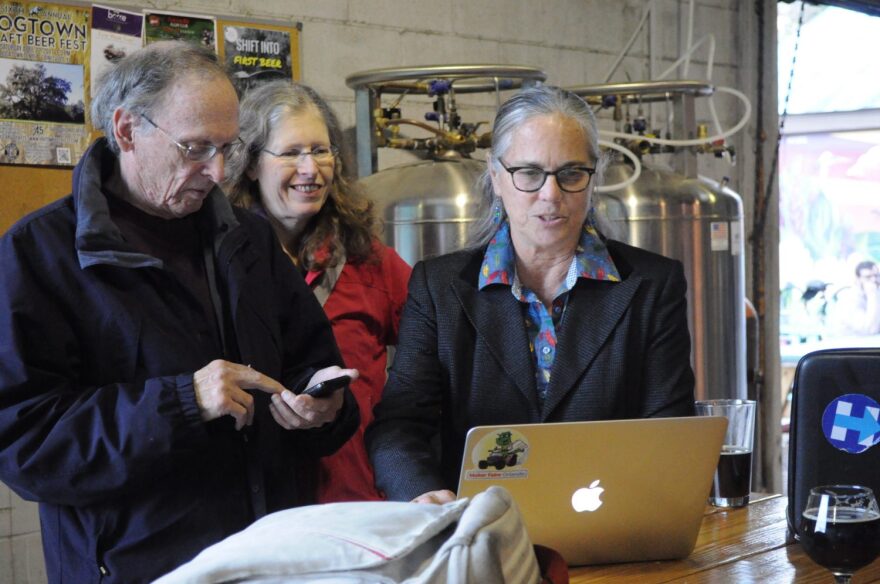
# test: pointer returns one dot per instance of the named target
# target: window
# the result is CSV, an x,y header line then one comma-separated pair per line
x,y
829,176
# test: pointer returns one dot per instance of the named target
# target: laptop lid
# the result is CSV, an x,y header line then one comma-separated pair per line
x,y
606,491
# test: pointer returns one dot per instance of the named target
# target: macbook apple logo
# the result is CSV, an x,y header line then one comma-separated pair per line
x,y
587,498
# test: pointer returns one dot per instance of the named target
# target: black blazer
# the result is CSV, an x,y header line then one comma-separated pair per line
x,y
463,360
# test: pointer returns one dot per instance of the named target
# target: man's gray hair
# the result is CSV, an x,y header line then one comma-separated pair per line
x,y
138,83
532,102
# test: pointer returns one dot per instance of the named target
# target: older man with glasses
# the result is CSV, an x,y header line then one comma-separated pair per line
x,y
154,339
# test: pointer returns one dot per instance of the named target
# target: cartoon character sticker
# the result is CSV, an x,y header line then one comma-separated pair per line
x,y
500,454
850,423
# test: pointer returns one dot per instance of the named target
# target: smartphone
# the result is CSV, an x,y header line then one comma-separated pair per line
x,y
325,388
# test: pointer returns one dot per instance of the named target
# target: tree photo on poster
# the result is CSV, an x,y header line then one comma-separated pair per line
x,y
31,92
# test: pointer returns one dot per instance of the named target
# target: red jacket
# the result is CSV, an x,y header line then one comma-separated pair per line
x,y
364,309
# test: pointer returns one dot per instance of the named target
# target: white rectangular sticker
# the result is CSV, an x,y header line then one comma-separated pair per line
x,y
718,236
736,242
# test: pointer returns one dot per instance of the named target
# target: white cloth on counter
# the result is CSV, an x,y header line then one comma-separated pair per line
x,y
481,539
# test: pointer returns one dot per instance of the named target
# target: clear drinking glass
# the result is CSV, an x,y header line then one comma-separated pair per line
x,y
840,529
733,476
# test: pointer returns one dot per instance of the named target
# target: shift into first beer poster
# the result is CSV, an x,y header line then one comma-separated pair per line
x,y
44,77
254,52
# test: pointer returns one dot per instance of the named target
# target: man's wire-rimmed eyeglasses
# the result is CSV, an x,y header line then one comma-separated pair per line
x,y
528,179
322,155
196,152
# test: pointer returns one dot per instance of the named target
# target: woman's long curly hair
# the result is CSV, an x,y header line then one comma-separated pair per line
x,y
344,225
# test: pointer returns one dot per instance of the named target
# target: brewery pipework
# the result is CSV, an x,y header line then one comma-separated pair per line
x,y
370,85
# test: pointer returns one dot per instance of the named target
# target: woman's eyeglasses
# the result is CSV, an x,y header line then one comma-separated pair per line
x,y
322,155
528,179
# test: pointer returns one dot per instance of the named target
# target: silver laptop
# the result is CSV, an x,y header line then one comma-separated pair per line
x,y
602,492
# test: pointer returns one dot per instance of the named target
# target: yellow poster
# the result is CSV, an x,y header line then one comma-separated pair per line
x,y
44,74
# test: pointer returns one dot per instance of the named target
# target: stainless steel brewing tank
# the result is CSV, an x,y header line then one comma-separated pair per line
x,y
427,207
699,222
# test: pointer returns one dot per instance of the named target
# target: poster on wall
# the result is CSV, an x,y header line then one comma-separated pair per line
x,y
163,26
115,34
254,53
44,79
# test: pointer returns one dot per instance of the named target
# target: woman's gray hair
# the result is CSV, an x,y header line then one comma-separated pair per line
x,y
138,83
532,102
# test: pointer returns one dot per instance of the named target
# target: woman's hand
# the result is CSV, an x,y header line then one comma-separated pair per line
x,y
436,497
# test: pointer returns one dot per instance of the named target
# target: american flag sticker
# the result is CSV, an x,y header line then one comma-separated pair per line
x,y
719,238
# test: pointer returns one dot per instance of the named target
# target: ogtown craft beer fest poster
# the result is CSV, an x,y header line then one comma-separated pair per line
x,y
52,54
44,79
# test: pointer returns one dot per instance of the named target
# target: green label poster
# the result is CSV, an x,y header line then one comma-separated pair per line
x,y
163,26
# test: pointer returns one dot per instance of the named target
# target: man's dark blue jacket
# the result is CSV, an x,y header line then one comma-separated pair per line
x,y
98,416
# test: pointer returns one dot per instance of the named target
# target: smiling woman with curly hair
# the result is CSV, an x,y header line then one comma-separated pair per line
x,y
291,168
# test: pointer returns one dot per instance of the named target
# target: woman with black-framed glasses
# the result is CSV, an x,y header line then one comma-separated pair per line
x,y
542,320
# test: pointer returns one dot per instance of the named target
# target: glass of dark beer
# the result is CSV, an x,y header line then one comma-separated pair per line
x,y
840,529
733,477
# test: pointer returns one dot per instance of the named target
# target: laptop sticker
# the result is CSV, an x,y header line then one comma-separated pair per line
x,y
500,454
850,423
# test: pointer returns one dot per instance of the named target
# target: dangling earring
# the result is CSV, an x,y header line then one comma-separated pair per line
x,y
496,212
591,216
